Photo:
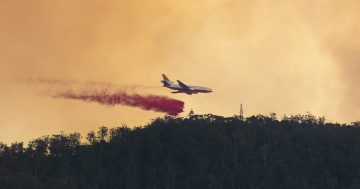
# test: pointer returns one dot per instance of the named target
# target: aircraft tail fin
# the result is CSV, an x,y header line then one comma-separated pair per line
x,y
165,77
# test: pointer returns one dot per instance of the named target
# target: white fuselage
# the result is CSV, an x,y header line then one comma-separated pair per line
x,y
188,89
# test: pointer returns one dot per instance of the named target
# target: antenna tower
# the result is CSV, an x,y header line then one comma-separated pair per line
x,y
241,116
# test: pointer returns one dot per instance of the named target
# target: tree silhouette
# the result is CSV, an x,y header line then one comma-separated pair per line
x,y
103,133
91,137
200,151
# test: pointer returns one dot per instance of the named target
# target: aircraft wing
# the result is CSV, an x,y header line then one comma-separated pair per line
x,y
183,85
186,92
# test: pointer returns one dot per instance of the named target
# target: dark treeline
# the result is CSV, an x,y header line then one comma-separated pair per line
x,y
202,151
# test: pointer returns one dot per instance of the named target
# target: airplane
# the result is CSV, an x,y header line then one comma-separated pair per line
x,y
181,87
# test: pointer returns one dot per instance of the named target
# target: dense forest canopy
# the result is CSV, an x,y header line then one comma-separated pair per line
x,y
200,151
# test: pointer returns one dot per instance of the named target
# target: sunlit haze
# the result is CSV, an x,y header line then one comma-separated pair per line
x,y
282,56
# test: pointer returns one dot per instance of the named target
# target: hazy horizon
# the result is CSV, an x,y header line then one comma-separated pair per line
x,y
287,57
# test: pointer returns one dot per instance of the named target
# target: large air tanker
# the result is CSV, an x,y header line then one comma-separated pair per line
x,y
181,87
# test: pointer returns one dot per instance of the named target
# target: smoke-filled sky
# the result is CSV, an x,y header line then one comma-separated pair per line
x,y
282,56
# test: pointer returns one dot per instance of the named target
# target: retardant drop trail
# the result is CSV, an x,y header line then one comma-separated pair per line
x,y
146,102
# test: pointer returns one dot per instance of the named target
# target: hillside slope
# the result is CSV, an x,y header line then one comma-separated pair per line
x,y
203,151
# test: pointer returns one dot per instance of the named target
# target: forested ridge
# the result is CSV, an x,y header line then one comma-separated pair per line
x,y
200,151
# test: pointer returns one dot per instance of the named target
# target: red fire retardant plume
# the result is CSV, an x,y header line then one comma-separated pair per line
x,y
146,102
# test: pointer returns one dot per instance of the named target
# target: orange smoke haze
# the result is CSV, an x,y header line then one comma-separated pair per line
x,y
282,56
